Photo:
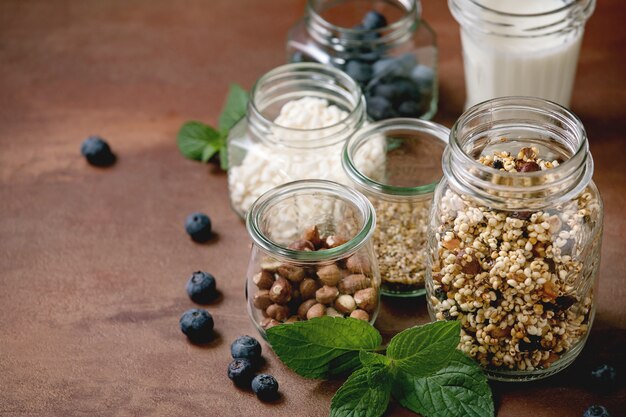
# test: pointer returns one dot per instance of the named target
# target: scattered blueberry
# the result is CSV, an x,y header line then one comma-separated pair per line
x,y
240,371
97,152
374,20
360,71
379,108
198,226
265,387
197,324
498,164
409,109
604,377
597,411
246,347
201,287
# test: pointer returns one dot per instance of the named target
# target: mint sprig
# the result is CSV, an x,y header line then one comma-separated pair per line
x,y
201,142
422,369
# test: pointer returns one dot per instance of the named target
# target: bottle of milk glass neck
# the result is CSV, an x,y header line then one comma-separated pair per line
x,y
384,45
522,48
515,236
299,117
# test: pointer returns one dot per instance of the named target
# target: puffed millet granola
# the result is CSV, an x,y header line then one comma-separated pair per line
x,y
515,280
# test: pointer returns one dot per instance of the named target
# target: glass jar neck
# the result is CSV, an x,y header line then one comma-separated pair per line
x,y
296,81
272,203
341,38
517,122
522,19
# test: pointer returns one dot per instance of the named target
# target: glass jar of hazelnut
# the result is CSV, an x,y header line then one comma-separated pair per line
x,y
515,237
312,255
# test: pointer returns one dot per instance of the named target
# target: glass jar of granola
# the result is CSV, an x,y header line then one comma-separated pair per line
x,y
401,188
312,255
515,237
299,117
385,45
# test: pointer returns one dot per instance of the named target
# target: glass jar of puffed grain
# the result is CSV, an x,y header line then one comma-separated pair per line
x,y
312,255
515,237
401,189
385,45
299,117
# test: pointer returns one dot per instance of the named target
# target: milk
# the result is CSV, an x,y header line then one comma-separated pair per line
x,y
497,65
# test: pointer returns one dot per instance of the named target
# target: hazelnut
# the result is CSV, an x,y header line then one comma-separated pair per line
x,y
360,315
353,283
326,294
366,299
308,288
270,265
359,264
291,272
263,280
312,234
469,264
345,303
292,319
317,310
331,312
333,241
302,245
268,323
280,293
277,312
304,308
529,167
329,274
261,299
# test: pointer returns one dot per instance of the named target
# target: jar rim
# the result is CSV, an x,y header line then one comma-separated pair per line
x,y
569,177
558,9
435,130
340,81
359,201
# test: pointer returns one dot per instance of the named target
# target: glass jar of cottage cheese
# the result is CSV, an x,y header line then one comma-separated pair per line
x,y
401,191
515,237
521,48
385,46
299,117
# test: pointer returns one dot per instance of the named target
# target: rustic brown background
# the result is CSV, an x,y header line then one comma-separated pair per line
x,y
93,262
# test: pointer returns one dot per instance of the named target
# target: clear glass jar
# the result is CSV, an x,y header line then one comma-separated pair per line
x,y
520,48
401,190
515,237
394,59
312,255
275,143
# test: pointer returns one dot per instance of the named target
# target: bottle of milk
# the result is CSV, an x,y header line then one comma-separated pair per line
x,y
520,48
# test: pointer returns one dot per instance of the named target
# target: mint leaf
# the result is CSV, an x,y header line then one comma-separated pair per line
x,y
198,141
459,389
371,359
422,350
365,394
311,348
235,108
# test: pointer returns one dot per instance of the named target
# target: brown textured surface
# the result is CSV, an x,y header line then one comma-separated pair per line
x,y
93,261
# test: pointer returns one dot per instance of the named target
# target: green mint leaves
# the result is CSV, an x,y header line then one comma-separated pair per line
x,y
201,142
324,347
421,369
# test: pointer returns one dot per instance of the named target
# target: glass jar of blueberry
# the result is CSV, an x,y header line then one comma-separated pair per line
x,y
312,255
384,45
515,236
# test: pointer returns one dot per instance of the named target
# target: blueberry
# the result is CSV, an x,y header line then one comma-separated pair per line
x,y
604,377
379,108
596,411
385,90
409,109
265,387
360,71
197,324
201,287
401,66
404,90
97,152
374,20
240,371
246,347
198,226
